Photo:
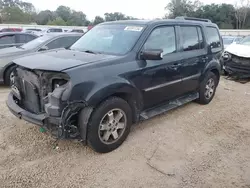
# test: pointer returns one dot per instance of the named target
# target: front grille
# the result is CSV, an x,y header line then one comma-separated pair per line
x,y
28,84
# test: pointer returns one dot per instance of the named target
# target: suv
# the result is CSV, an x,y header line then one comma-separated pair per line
x,y
115,75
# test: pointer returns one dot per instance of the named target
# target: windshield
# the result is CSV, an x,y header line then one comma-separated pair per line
x,y
245,41
36,42
228,40
109,39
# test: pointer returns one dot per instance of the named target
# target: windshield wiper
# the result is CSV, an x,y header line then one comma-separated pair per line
x,y
91,52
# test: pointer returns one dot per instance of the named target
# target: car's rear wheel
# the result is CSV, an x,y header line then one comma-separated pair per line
x,y
109,125
208,88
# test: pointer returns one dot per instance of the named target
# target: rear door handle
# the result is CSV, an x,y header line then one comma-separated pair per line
x,y
204,59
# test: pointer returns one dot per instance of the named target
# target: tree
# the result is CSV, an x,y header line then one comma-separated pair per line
x,y
97,20
114,16
77,18
44,17
181,8
57,21
63,12
242,10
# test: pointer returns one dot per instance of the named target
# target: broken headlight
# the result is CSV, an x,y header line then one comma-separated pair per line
x,y
226,56
56,83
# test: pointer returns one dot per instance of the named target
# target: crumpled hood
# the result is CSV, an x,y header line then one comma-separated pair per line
x,y
239,50
59,60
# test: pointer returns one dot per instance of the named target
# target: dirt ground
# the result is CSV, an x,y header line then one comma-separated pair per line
x,y
192,146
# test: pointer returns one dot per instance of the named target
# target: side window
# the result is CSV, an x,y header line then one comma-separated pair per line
x,y
62,42
7,39
30,38
21,38
162,38
213,38
190,38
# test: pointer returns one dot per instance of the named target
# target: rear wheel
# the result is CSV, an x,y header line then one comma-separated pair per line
x,y
109,125
9,76
208,88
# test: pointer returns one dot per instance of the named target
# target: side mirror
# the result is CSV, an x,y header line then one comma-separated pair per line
x,y
44,48
155,54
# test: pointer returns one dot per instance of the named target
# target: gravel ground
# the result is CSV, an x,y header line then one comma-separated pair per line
x,y
192,146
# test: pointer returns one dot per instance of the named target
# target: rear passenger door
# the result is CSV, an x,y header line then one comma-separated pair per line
x,y
194,54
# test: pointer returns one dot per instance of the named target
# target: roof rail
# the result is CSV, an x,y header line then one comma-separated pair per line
x,y
193,19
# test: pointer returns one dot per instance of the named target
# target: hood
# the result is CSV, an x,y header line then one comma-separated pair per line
x,y
60,60
239,50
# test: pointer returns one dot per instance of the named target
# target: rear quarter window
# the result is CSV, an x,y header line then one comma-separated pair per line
x,y
214,39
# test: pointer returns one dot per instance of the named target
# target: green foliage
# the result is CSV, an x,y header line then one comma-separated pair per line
x,y
57,21
226,16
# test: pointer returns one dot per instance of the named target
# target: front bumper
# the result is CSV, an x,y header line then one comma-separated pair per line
x,y
42,120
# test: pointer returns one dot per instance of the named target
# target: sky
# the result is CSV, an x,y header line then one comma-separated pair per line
x,y
137,8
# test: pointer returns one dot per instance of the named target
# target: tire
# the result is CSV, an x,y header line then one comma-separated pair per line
x,y
7,79
100,138
204,97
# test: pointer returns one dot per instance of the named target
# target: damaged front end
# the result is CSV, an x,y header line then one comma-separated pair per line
x,y
236,65
42,98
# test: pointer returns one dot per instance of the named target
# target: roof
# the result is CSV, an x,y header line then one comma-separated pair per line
x,y
155,22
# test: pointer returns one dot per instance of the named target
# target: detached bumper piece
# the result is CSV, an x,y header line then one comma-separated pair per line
x,y
51,124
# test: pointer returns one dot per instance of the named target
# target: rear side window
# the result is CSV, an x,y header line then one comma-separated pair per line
x,y
213,38
22,38
162,38
7,39
192,38
63,42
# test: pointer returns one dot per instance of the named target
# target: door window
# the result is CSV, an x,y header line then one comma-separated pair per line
x,y
190,38
7,39
162,38
214,38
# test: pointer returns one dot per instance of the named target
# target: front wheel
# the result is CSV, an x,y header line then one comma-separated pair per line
x,y
208,88
9,76
109,125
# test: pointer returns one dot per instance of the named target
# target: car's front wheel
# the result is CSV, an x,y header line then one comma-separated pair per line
x,y
109,125
208,88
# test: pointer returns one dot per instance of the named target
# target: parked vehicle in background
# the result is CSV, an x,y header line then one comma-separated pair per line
x,y
237,59
228,40
53,30
11,30
117,74
32,30
43,43
77,31
10,39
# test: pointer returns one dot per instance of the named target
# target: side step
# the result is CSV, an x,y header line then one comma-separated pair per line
x,y
147,114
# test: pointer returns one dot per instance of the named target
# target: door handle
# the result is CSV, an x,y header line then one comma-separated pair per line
x,y
175,65
204,59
